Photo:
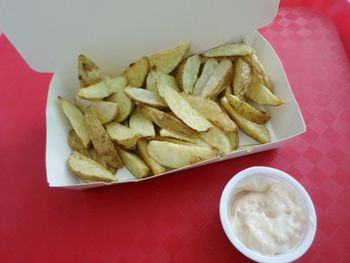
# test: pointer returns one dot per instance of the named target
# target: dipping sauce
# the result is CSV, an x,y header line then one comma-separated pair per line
x,y
267,216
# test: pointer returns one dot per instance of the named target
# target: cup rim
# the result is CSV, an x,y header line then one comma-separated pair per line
x,y
279,175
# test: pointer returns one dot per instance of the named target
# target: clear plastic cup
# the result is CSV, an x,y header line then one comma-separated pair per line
x,y
271,174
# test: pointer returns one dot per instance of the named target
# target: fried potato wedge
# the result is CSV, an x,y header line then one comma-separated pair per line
x,y
106,111
165,79
155,167
181,137
137,72
228,50
165,120
100,139
257,131
126,105
207,71
116,84
155,77
234,139
241,79
228,90
76,143
182,109
141,125
144,96
248,111
187,73
212,112
174,155
247,147
96,91
217,138
259,70
218,80
100,159
89,170
103,89
169,139
166,60
89,72
259,93
122,135
134,164
76,119
151,81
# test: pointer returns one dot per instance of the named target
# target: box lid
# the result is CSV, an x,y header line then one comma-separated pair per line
x,y
49,34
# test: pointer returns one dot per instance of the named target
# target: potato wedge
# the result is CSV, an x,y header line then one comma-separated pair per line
x,y
241,79
187,73
228,50
126,105
103,89
134,164
257,131
151,81
116,84
174,155
155,167
76,119
248,111
218,80
165,79
168,139
247,147
207,71
89,170
100,159
100,139
89,72
259,70
106,111
167,121
154,77
217,138
122,135
234,139
96,91
179,136
147,97
259,93
76,143
137,72
183,109
212,112
228,90
141,125
166,60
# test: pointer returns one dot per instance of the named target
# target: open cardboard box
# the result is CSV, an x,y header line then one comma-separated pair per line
x,y
50,34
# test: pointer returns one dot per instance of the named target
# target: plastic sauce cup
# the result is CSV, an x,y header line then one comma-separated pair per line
x,y
269,174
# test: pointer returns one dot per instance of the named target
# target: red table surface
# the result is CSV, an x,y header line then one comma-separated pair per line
x,y
175,218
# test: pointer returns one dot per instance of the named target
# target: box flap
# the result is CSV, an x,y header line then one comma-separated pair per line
x,y
49,34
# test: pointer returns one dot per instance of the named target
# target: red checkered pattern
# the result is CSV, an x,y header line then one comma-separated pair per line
x,y
175,218
319,73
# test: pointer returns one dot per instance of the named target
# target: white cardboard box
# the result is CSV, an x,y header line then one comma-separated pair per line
x,y
50,34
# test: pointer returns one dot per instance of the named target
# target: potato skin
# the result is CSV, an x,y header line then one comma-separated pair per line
x,y
167,121
248,111
257,131
76,143
89,72
100,139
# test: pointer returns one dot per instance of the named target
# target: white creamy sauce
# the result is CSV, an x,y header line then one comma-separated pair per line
x,y
267,216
